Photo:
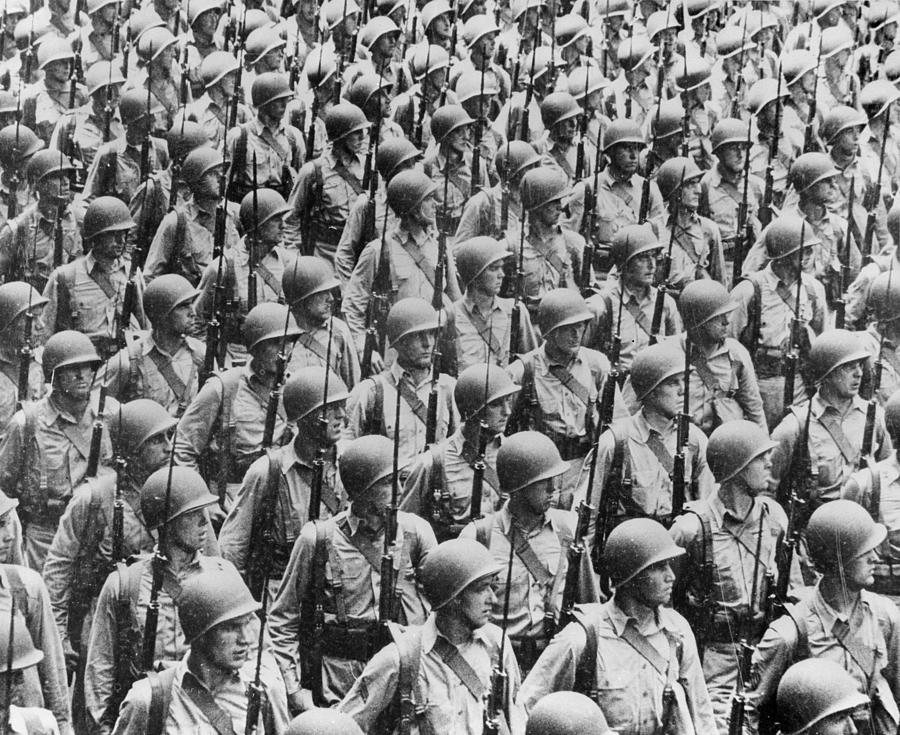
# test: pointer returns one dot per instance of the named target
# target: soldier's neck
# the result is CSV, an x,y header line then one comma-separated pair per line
x,y
218,97
67,404
206,671
452,626
306,321
167,340
830,397
522,515
735,498
655,419
841,159
178,558
835,592
482,300
306,443
786,271
811,209
417,374
643,615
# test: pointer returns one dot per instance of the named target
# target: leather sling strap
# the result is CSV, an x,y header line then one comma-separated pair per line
x,y
571,383
341,170
453,659
418,257
414,402
470,454
309,341
201,697
638,314
486,332
529,558
166,369
833,427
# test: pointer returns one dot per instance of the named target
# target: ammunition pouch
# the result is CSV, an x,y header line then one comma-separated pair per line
x,y
325,234
570,447
352,643
528,650
769,362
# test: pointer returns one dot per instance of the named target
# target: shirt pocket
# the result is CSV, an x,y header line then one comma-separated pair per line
x,y
648,486
616,698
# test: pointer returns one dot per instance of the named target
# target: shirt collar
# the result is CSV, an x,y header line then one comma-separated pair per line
x,y
430,634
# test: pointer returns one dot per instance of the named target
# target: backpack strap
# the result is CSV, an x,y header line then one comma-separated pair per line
x,y
375,420
410,647
17,588
161,684
586,667
65,278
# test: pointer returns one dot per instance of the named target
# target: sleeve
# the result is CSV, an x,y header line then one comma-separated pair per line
x,y
195,427
857,295
102,651
417,483
771,658
528,340
657,205
357,410
351,372
785,437
94,179
160,252
374,689
134,714
703,476
234,536
203,304
885,446
52,668
7,252
695,690
554,671
351,237
741,295
358,292
297,202
451,287
748,388
12,455
470,221
51,309
116,372
756,258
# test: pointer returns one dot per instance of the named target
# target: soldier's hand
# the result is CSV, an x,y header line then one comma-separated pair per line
x,y
377,363
300,701
70,656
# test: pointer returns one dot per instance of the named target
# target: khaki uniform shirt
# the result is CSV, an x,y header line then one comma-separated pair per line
x,y
479,338
123,182
27,244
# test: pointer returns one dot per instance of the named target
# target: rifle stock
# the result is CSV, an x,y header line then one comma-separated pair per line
x,y
679,484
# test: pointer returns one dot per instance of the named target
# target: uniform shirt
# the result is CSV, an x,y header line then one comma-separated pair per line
x,y
619,203
358,583
27,243
274,149
406,111
354,236
448,706
861,172
48,105
213,118
94,46
32,721
870,151
697,249
311,350
788,149
629,688
454,177
858,291
860,489
889,354
508,122
550,258
87,131
721,198
623,100
482,214
9,384
482,332
126,176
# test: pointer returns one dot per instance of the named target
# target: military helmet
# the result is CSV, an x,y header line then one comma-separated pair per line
x,y
304,392
184,137
366,461
24,653
881,14
214,595
634,51
163,500
734,445
703,300
666,119
335,11
633,546
543,185
557,107
481,384
544,58
106,214
877,96
729,131
102,74
135,106
407,190
17,142
164,293
585,80
392,154
476,28
764,92
514,158
432,10
692,74
365,88
269,87
561,307
448,118
471,85
891,66
319,67
269,204
566,713
136,422
732,41
473,257
659,21
267,321
892,415
14,300
838,119
839,532
674,173
834,40
68,348
215,67
786,234
142,21
427,59
53,49
196,8
252,19
570,28
409,316
375,28
153,42
621,130
323,721
452,566
632,240
262,41
883,298
520,7
526,458
343,119
47,163
615,8
198,163
795,64
654,364
813,689
834,348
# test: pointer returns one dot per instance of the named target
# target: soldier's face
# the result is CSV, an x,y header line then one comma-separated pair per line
x,y
228,645
275,109
355,142
567,339
641,270
306,9
16,332
667,397
844,380
318,307
565,131
496,414
54,190
538,497
840,723
271,232
653,586
486,46
227,83
475,603
181,318
624,158
441,26
847,141
272,61
371,506
459,140
715,330
489,280
414,351
859,573
205,25
57,71
757,473
549,214
189,530
154,452
690,194
210,184
109,245
7,535
732,157
335,414
823,192
265,355
423,215
75,381
385,45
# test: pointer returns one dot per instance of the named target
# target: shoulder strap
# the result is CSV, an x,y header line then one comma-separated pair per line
x,y
585,669
17,588
65,278
875,496
375,424
180,228
435,495
410,647
160,698
801,649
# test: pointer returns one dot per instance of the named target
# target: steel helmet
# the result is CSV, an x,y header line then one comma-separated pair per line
x,y
622,130
654,364
481,384
163,500
570,28
821,7
729,131
407,190
892,415
703,300
409,316
666,119
813,689
68,348
214,595
764,92
877,95
633,546
473,256
106,214
102,74
809,169
838,119
566,713
698,8
515,158
891,66
786,234
392,154
734,445
562,307
269,204
215,67
196,8
365,88
543,185
153,42
138,421
198,163
52,49
839,532
451,567
267,321
834,348
659,21
323,721
526,458
427,59
732,41
674,173
692,74
14,299
319,67
758,22
164,293
585,80
557,107
335,11
47,163
615,8
135,104
343,119
269,87
304,392
448,118
881,14
883,298
520,7
432,10
472,84
17,142
476,28
634,51
632,240
252,19
24,653
262,41
184,137
366,461
142,21
795,64
307,276
834,40
543,58
378,26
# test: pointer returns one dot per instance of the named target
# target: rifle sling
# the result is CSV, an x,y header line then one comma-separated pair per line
x,y
370,554
422,263
639,316
699,363
486,332
470,454
548,254
201,697
833,427
165,368
309,341
459,666
529,557
341,170
571,383
269,279
415,403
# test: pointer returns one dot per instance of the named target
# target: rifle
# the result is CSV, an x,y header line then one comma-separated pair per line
x,y
315,495
662,287
684,423
524,132
765,209
736,102
26,353
58,233
437,303
590,218
495,712
873,196
479,465
792,357
388,598
742,230
840,305
93,462
339,50
239,55
479,133
515,326
872,407
313,109
420,117
379,305
252,252
809,139
685,120
215,325
255,688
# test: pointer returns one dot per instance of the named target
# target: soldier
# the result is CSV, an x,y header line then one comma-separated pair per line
x,y
723,383
48,99
95,42
560,114
842,541
320,73
631,96
479,33
880,339
21,308
566,713
353,539
738,530
203,20
692,82
277,148
764,320
877,100
819,697
116,169
697,245
159,75
412,110
325,187
217,79
288,478
184,242
264,51
836,361
808,35
17,145
763,103
162,365
480,101
379,38
44,454
836,86
629,664
635,460
412,330
87,293
454,648
28,243
666,135
537,71
441,480
216,611
370,92
731,72
530,469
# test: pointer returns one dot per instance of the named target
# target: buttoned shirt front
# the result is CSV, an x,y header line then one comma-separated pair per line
x,y
723,196
311,350
482,333
547,258
273,148
86,130
27,243
126,175
618,203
